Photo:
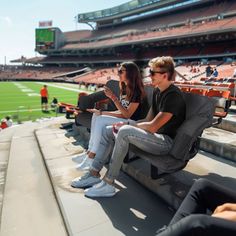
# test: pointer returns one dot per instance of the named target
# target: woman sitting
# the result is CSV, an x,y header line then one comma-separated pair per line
x,y
128,107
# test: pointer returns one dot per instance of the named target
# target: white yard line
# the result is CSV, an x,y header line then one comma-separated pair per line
x,y
66,88
21,110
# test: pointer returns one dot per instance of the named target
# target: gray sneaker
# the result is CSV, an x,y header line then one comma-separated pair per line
x,y
101,189
85,164
79,157
87,180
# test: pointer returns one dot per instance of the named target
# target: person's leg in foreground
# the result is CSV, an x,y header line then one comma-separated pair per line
x,y
196,215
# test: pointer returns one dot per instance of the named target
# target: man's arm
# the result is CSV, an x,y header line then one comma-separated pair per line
x,y
148,117
155,124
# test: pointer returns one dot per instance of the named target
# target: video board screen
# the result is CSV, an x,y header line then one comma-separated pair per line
x,y
45,38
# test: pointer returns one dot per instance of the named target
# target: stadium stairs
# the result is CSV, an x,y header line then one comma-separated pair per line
x,y
36,171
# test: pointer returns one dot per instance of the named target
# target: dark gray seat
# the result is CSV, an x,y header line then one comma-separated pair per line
x,y
84,118
199,115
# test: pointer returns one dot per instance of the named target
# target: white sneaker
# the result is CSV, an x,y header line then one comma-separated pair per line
x,y
84,181
85,164
102,189
80,157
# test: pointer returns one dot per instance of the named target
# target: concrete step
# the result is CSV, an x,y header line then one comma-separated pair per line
x,y
173,188
219,142
29,205
132,211
5,143
228,123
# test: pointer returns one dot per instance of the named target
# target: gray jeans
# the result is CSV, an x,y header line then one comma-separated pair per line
x,y
157,144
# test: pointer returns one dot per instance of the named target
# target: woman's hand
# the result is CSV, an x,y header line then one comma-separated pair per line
x,y
109,93
96,111
117,126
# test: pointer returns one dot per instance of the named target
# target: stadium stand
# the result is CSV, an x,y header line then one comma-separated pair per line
x,y
195,33
187,30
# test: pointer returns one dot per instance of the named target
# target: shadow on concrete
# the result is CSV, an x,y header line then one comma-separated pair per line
x,y
136,210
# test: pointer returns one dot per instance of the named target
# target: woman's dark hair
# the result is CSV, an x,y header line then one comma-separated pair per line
x,y
134,80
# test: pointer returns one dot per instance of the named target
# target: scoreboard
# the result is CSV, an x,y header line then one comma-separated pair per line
x,y
45,38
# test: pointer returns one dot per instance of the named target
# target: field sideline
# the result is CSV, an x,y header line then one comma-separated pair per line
x,y
21,100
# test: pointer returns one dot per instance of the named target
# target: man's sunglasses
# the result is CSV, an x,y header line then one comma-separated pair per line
x,y
120,71
152,72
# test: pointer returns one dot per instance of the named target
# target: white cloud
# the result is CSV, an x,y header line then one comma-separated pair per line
x,y
6,20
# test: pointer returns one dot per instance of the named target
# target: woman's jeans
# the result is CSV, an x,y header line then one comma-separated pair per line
x,y
97,125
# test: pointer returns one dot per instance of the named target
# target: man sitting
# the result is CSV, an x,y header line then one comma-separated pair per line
x,y
54,103
154,134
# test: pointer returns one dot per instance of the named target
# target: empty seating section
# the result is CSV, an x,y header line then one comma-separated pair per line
x,y
218,93
77,35
221,97
189,71
100,76
161,33
33,73
188,51
226,71
153,23
221,89
215,48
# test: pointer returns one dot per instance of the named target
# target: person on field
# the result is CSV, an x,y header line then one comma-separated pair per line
x,y
44,98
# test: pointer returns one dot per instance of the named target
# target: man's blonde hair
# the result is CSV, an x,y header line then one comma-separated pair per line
x,y
165,64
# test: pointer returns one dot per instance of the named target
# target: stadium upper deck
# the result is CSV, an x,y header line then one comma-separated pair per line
x,y
184,29
130,10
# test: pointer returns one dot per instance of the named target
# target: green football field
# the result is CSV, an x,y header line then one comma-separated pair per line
x,y
21,100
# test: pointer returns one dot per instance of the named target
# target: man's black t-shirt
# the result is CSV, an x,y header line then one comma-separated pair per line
x,y
172,101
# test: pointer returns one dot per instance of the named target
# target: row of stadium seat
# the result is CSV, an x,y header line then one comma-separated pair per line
x,y
168,32
222,98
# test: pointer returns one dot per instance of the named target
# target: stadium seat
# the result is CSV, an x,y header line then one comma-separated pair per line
x,y
198,91
62,106
84,118
223,103
185,89
199,115
71,110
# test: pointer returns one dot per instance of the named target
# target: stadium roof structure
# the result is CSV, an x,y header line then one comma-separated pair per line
x,y
182,31
131,8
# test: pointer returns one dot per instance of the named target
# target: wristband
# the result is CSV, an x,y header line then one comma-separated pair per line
x,y
114,98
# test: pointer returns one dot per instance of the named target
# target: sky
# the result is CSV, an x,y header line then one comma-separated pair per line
x,y
19,18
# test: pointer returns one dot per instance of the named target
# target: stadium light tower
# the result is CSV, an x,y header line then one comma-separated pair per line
x,y
76,22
